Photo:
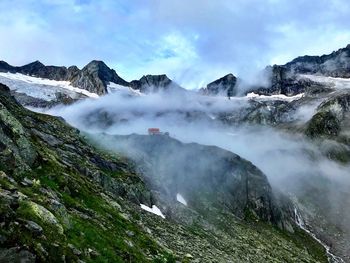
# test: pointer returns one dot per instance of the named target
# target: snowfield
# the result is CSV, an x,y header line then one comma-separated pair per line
x,y
339,83
44,89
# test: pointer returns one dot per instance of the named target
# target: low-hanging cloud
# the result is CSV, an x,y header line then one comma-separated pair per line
x,y
291,163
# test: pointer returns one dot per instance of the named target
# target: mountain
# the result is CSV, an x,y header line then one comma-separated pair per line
x,y
224,86
95,77
143,198
154,83
64,200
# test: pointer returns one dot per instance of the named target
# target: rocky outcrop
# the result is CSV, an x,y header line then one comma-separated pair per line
x,y
154,83
332,118
223,86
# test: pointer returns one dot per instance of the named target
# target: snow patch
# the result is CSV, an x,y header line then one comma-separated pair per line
x,y
155,210
253,95
180,199
339,83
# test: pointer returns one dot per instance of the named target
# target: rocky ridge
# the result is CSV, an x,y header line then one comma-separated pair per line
x,y
94,77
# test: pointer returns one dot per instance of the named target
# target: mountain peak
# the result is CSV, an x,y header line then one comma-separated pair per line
x,y
225,85
36,63
96,76
97,65
152,83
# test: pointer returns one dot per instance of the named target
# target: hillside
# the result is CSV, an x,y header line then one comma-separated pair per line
x,y
63,200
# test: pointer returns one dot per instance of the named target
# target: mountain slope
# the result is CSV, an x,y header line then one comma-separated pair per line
x,y
62,200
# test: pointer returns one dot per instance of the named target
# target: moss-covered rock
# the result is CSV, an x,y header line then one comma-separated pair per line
x,y
323,124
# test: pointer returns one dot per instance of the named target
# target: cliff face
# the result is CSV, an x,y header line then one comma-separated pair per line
x,y
225,86
62,200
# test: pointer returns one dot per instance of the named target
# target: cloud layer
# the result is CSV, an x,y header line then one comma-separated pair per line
x,y
193,42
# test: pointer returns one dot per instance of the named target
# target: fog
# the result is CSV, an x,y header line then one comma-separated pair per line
x,y
293,164
190,117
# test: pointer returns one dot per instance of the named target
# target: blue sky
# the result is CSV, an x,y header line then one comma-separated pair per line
x,y
192,41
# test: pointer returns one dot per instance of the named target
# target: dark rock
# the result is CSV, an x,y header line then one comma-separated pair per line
x,y
282,82
34,228
16,255
2,239
95,77
332,117
154,83
75,251
224,86
48,138
27,182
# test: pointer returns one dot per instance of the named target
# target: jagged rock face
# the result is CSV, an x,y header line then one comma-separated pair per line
x,y
225,86
206,176
336,64
283,82
95,77
153,83
280,83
